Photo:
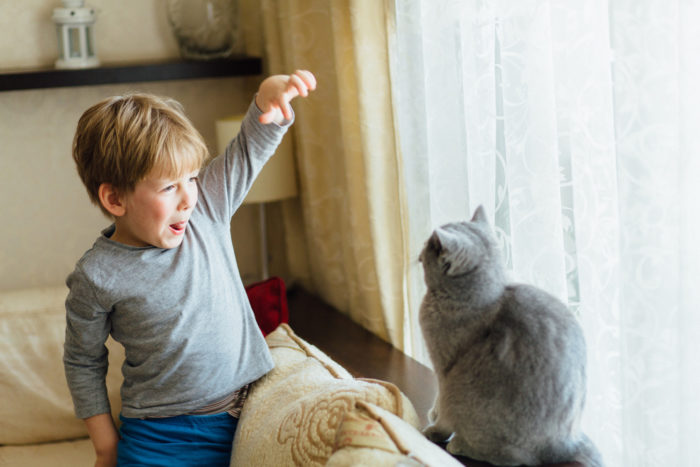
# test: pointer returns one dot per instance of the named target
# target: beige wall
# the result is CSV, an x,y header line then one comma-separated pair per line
x,y
46,220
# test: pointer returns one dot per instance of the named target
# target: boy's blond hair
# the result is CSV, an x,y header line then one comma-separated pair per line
x,y
122,139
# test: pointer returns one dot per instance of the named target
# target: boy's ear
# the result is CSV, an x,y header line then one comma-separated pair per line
x,y
110,200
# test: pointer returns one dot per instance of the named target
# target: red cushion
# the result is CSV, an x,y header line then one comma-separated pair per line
x,y
269,302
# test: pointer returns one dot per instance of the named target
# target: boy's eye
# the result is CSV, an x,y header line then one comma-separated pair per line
x,y
193,179
169,188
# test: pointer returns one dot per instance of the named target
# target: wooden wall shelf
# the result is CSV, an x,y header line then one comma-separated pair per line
x,y
15,80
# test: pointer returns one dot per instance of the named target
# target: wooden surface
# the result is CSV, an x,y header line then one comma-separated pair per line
x,y
13,80
365,355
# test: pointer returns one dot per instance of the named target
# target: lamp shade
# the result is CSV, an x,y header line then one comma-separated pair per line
x,y
277,180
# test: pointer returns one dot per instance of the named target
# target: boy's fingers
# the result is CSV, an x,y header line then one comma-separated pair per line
x,y
286,110
265,118
269,115
308,78
295,82
299,83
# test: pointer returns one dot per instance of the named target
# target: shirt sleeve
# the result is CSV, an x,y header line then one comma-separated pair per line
x,y
225,182
85,354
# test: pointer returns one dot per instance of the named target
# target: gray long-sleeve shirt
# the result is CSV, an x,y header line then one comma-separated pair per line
x,y
181,314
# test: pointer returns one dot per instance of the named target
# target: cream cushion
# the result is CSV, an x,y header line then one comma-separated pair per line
x,y
374,436
36,404
294,415
291,414
62,454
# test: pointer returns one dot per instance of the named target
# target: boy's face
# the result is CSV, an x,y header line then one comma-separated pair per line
x,y
157,211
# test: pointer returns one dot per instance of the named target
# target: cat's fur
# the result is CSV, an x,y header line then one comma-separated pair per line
x,y
510,359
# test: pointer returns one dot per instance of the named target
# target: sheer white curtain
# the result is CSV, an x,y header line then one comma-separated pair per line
x,y
576,124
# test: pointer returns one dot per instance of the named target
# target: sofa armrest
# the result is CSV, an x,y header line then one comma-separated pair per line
x,y
359,351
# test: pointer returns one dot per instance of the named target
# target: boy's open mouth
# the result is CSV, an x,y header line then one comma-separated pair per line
x,y
178,227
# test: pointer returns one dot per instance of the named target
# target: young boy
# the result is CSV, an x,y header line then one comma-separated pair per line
x,y
163,280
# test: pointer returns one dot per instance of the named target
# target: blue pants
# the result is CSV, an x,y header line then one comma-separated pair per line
x,y
182,441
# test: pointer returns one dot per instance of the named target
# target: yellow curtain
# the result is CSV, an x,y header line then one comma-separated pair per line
x,y
350,212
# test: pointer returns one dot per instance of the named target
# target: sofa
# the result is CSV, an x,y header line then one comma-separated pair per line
x,y
307,411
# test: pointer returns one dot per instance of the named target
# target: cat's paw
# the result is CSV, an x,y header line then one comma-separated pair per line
x,y
457,446
436,434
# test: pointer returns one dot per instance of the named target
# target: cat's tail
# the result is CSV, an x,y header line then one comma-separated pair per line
x,y
587,453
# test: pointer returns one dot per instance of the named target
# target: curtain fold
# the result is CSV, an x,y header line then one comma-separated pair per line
x,y
346,158
575,125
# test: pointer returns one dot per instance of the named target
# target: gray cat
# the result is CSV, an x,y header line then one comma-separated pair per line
x,y
510,359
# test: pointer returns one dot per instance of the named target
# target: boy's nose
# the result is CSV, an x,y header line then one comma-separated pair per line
x,y
189,198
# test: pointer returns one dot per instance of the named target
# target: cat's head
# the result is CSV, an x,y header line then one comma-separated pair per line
x,y
458,250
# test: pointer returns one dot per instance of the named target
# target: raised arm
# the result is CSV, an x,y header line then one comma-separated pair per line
x,y
226,180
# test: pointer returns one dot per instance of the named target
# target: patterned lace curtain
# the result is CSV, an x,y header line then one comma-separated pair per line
x,y
576,125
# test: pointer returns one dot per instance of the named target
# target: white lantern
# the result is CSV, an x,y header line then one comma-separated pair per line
x,y
76,40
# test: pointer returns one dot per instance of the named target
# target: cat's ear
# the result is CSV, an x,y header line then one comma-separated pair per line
x,y
480,216
453,252
435,244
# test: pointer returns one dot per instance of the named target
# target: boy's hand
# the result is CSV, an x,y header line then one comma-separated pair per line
x,y
104,438
106,460
277,91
